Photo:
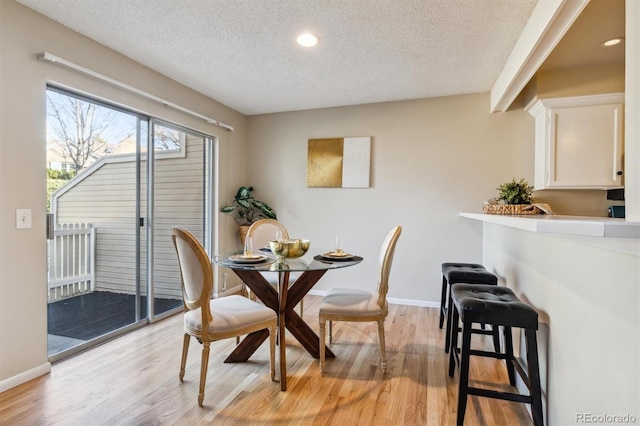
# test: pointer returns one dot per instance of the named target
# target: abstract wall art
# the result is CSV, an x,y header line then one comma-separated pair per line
x,y
339,162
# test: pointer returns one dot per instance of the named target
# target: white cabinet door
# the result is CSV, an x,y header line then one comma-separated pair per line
x,y
579,142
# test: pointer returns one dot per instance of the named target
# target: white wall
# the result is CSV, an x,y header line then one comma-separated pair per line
x,y
632,110
431,159
24,34
587,299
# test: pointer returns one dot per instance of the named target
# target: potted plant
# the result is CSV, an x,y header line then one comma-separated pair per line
x,y
514,198
515,192
247,209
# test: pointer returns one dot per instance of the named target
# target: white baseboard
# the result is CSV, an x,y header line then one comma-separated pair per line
x,y
393,300
413,302
25,376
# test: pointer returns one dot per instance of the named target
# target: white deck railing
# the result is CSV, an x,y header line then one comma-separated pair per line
x,y
71,258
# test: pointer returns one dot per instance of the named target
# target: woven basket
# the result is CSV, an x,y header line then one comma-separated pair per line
x,y
516,209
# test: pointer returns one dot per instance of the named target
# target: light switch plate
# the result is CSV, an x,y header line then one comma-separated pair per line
x,y
23,218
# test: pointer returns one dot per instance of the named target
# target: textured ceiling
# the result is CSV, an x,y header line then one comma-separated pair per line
x,y
243,52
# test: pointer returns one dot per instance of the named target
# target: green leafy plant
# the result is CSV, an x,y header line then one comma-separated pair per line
x,y
515,192
247,208
60,174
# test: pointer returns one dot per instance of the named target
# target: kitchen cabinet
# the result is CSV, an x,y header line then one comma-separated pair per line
x,y
579,142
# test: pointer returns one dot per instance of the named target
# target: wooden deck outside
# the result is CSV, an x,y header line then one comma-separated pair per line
x,y
81,318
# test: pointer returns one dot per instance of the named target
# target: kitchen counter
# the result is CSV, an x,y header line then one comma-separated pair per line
x,y
566,225
581,275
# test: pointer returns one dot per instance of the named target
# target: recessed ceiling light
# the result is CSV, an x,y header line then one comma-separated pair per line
x,y
307,40
612,42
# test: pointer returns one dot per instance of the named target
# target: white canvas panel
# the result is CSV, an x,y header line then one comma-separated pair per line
x,y
356,162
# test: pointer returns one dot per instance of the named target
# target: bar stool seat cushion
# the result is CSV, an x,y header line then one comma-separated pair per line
x,y
471,273
490,304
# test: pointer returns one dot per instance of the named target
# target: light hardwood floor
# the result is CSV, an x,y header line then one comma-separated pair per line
x,y
133,380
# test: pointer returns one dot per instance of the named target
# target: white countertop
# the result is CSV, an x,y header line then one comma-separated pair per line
x,y
566,225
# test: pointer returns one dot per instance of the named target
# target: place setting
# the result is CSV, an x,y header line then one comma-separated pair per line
x,y
337,255
248,256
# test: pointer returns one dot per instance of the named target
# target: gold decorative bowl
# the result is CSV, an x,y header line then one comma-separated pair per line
x,y
290,248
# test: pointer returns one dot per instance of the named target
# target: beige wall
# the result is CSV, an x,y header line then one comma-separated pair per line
x,y
430,159
580,81
24,34
577,202
587,298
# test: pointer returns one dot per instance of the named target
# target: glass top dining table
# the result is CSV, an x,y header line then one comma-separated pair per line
x,y
308,262
283,299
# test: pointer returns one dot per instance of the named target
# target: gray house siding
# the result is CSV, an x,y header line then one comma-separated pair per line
x,y
104,195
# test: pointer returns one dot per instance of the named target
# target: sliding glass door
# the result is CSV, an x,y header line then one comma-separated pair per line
x,y
118,182
179,196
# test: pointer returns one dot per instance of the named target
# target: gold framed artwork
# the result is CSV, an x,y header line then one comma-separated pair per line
x,y
339,162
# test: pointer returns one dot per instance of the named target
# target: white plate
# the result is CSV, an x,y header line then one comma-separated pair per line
x,y
334,256
239,258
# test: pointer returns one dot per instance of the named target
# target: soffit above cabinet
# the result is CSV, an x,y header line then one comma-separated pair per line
x,y
560,34
582,46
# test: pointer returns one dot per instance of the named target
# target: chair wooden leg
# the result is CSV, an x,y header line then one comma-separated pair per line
x,y
204,365
185,351
272,352
330,332
301,307
383,352
322,343
246,292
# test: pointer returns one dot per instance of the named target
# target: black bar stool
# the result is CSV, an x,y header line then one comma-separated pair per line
x,y
497,306
469,273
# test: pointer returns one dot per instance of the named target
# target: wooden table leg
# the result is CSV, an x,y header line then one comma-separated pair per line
x,y
294,323
248,346
283,289
283,303
263,290
260,286
305,335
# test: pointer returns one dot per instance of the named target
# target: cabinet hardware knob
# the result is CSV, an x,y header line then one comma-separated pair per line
x,y
619,172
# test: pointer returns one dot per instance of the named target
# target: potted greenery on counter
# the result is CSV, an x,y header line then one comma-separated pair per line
x,y
515,192
514,198
247,209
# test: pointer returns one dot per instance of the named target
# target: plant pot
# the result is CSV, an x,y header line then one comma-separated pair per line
x,y
243,233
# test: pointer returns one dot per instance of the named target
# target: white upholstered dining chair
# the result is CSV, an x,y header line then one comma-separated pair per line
x,y
348,304
209,319
262,231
